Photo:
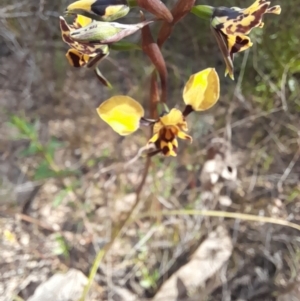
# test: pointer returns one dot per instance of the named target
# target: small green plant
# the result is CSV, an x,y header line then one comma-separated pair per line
x,y
149,279
61,247
47,167
62,194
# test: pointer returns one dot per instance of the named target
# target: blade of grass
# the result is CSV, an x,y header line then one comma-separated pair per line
x,y
216,213
101,254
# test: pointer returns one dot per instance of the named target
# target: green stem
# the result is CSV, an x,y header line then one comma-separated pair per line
x,y
203,11
92,275
162,108
47,156
132,3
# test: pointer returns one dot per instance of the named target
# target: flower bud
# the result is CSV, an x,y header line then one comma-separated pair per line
x,y
203,11
100,10
105,32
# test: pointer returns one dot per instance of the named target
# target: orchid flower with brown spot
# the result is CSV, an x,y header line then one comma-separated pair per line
x,y
125,115
90,40
83,54
231,26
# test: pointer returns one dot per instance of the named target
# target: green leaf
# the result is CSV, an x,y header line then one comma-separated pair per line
x,y
53,145
62,247
44,172
162,109
59,198
24,127
63,193
31,150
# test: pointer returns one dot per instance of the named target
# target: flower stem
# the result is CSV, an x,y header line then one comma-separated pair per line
x,y
203,11
132,3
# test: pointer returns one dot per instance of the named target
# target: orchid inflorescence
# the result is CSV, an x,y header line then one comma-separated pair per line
x,y
94,32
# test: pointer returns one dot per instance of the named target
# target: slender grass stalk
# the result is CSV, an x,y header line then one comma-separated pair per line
x,y
93,271
216,213
17,298
116,232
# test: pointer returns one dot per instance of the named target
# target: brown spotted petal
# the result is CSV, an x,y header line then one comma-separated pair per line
x,y
84,55
88,49
164,139
231,26
94,62
274,10
228,58
167,141
102,78
238,43
167,129
77,59
253,14
236,20
229,45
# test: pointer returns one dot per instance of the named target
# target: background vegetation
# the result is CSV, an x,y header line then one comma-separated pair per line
x,y
64,186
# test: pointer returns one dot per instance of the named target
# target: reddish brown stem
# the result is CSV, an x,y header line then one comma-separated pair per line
x,y
157,8
154,96
152,49
180,10
153,52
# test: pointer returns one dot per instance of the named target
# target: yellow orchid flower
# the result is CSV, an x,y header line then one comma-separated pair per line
x,y
125,115
231,26
89,41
